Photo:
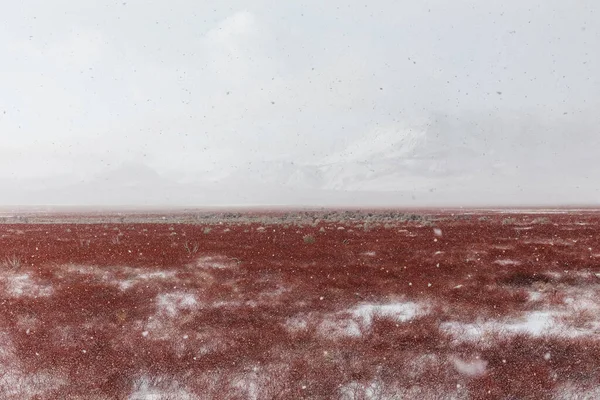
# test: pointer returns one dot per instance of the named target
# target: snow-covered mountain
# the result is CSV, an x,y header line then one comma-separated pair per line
x,y
388,167
387,161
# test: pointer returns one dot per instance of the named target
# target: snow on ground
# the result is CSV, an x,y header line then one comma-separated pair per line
x,y
573,391
398,311
506,262
164,324
171,303
15,383
125,284
376,390
371,390
471,367
578,316
122,276
340,327
217,262
523,228
198,312
18,285
550,242
533,323
146,388
352,322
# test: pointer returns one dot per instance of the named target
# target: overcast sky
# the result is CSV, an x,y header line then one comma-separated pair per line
x,y
504,91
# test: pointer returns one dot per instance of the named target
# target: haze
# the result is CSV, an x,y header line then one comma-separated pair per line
x,y
399,103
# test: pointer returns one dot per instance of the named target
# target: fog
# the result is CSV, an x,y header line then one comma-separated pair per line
x,y
395,103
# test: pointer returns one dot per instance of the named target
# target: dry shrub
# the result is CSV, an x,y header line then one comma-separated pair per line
x,y
470,302
309,239
522,366
524,278
11,262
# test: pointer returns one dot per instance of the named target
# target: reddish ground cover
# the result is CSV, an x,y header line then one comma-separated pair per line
x,y
313,305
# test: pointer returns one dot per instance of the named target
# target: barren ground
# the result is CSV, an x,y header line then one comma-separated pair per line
x,y
301,305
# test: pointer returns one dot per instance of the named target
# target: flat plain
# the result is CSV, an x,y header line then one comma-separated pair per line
x,y
321,304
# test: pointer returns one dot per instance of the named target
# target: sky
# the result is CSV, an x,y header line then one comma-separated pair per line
x,y
427,102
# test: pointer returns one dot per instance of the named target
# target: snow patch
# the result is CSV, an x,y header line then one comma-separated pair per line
x,y
296,324
571,391
507,262
22,285
533,323
220,304
171,303
217,262
535,296
353,321
15,382
339,327
398,311
377,389
474,368
123,277
353,390
523,228
146,388
502,247
549,242
137,277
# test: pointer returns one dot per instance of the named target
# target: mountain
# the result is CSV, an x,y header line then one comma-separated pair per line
x,y
391,168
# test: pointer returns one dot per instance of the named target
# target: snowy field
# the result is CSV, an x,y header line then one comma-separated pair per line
x,y
313,305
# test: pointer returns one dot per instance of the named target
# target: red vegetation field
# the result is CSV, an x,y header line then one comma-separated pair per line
x,y
308,305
